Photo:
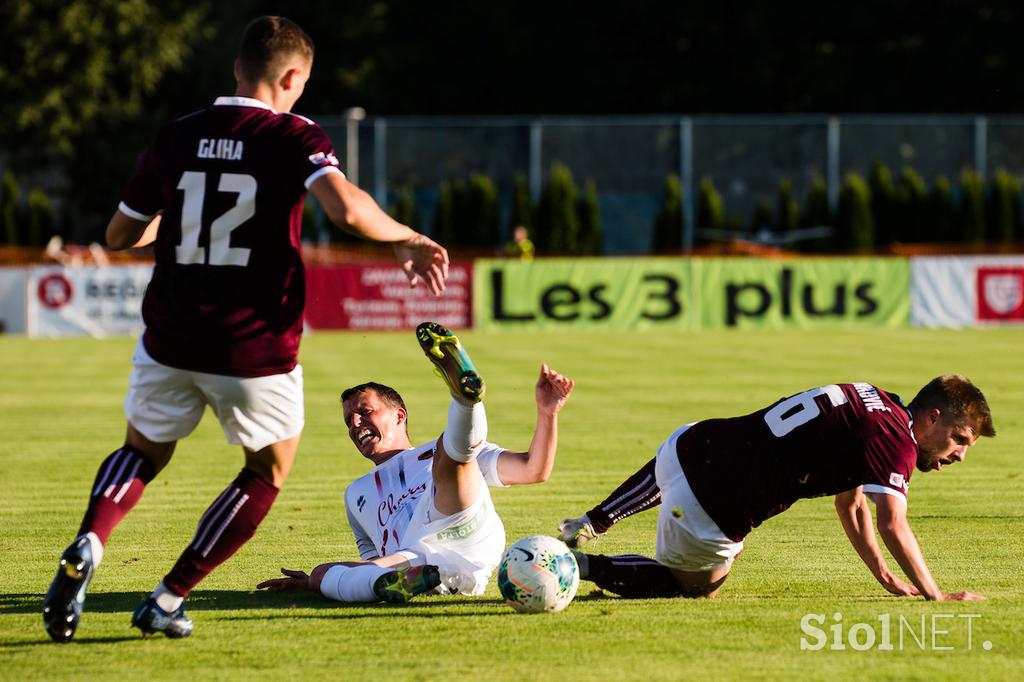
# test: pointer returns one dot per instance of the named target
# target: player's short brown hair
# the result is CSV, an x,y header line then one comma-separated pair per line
x,y
959,400
388,396
267,45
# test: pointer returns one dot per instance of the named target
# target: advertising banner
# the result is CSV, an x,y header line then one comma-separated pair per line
x,y
88,300
814,292
967,291
378,297
13,283
584,293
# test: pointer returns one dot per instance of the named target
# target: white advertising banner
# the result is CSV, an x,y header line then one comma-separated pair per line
x,y
966,291
12,300
88,300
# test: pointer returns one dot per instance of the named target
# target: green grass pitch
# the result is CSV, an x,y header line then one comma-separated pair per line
x,y
60,408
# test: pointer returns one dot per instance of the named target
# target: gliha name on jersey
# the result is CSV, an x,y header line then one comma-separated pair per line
x,y
230,150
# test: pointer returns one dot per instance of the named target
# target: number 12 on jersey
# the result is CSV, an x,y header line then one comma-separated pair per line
x,y
193,185
801,408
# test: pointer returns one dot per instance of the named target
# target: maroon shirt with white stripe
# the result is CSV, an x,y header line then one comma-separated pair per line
x,y
228,289
820,442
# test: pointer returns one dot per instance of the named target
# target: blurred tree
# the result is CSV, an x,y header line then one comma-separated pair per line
x,y
522,206
39,218
939,223
403,208
478,224
855,223
884,205
972,207
444,214
763,217
10,199
1003,199
787,216
668,226
588,210
710,210
911,198
557,218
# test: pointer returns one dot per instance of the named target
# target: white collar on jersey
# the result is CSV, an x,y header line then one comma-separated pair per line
x,y
235,101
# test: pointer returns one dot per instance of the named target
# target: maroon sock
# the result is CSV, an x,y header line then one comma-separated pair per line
x,y
118,486
227,525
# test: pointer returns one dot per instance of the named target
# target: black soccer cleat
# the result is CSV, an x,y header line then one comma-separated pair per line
x,y
62,606
443,348
398,587
150,619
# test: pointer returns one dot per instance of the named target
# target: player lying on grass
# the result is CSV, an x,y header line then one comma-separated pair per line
x,y
717,479
423,518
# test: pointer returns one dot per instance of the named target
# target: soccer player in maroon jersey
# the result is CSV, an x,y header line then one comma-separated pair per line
x,y
717,479
221,192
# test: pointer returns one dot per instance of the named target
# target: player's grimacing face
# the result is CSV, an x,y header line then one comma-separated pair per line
x,y
373,426
940,443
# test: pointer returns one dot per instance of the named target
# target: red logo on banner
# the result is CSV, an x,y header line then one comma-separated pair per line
x,y
1001,293
54,291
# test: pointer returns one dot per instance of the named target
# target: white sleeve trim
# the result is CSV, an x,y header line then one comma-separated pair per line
x,y
875,488
320,172
132,213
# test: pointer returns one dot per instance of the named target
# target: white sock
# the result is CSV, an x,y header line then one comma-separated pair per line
x,y
352,583
97,548
466,431
165,599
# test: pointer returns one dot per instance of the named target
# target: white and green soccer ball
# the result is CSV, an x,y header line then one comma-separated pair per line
x,y
538,574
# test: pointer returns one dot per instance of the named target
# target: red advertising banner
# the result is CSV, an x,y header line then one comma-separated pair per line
x,y
1001,293
378,297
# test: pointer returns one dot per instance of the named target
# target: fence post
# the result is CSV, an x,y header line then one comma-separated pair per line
x,y
686,180
536,133
981,145
380,156
832,170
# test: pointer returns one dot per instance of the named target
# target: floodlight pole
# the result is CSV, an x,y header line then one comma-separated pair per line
x,y
353,116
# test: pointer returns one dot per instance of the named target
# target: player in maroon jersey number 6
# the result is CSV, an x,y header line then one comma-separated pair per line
x,y
220,193
717,479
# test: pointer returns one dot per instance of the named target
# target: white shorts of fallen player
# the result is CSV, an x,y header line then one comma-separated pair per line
x,y
165,404
688,540
466,546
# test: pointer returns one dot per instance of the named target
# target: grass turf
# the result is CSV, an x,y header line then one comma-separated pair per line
x,y
60,402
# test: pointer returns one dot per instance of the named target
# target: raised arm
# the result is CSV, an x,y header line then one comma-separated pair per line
x,y
355,211
534,465
855,515
902,543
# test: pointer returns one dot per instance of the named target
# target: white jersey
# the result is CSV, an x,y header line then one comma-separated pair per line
x,y
382,504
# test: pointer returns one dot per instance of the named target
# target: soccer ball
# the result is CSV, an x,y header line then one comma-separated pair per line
x,y
538,574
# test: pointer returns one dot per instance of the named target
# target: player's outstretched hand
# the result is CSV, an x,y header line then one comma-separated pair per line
x,y
423,260
962,596
552,390
296,581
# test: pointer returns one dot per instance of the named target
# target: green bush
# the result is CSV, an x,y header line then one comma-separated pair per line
x,y
588,209
856,226
40,217
522,205
668,226
939,222
403,207
10,194
479,224
972,207
763,218
444,214
817,212
1003,198
710,209
884,208
787,214
557,218
911,198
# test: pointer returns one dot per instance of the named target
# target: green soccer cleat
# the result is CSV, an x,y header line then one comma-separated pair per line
x,y
443,349
398,587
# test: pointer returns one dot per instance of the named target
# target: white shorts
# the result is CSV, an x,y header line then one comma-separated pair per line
x,y
165,404
465,546
688,539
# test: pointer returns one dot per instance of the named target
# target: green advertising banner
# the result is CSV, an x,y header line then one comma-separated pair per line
x,y
814,292
690,294
583,293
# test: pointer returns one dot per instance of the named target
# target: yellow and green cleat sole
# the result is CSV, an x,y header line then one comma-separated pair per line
x,y
443,349
399,587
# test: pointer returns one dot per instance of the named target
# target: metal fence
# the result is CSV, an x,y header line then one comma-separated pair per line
x,y
630,157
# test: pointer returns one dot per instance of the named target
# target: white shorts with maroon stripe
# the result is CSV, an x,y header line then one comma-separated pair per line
x,y
688,539
165,404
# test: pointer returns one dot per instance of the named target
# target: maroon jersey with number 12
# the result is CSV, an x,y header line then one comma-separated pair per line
x,y
228,289
820,442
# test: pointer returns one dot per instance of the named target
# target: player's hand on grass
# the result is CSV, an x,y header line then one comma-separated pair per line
x,y
423,260
296,581
552,390
962,596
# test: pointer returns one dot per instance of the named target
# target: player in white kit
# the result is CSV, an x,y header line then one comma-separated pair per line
x,y
423,518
